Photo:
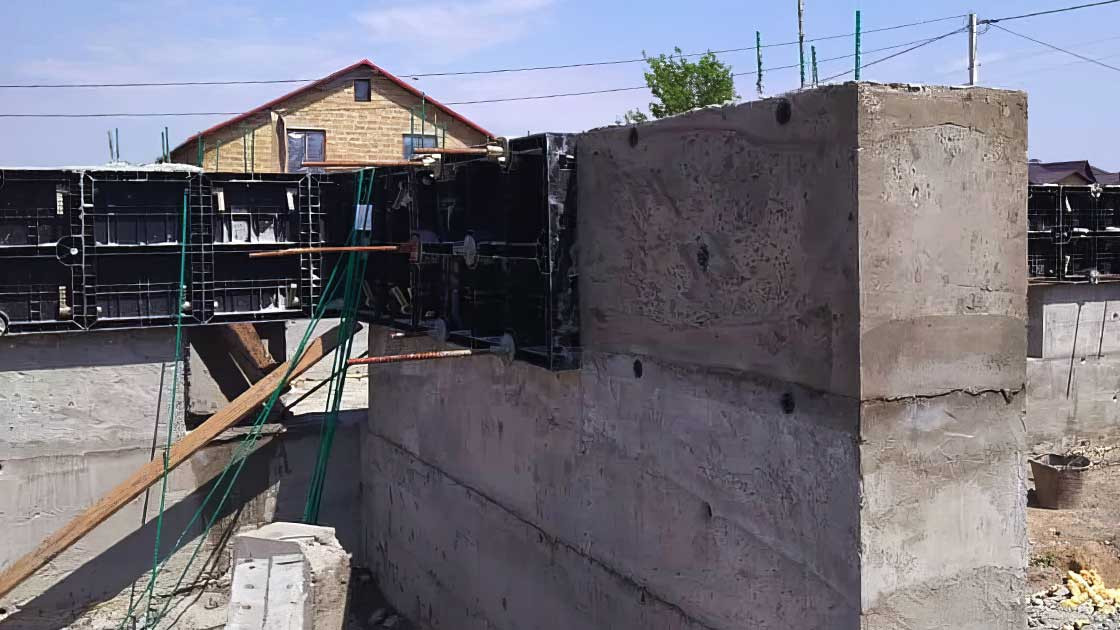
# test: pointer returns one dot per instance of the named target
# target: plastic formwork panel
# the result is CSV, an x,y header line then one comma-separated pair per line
x,y
496,250
100,248
1073,233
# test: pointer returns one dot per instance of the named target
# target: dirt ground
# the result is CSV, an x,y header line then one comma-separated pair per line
x,y
1084,537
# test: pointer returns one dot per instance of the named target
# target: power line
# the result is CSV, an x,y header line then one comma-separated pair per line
x,y
1051,11
1025,53
900,53
449,103
1068,52
420,75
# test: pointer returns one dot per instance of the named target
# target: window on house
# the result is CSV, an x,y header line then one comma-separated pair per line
x,y
305,146
361,89
413,141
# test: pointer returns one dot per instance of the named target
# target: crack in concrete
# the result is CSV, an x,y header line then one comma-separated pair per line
x,y
1008,395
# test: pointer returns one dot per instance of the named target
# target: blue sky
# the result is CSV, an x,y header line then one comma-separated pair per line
x,y
1072,103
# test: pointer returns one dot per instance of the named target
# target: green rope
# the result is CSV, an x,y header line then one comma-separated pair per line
x,y
355,275
240,456
174,390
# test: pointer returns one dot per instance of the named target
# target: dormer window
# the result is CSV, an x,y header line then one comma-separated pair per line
x,y
361,90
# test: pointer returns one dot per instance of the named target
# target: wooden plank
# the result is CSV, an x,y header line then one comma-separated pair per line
x,y
248,346
151,472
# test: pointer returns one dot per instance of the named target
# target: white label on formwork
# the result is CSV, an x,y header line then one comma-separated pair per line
x,y
363,217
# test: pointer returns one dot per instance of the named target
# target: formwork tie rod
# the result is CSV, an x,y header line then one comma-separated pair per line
x,y
422,356
487,150
403,249
362,163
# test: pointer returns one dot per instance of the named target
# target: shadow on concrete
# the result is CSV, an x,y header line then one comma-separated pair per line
x,y
288,458
111,348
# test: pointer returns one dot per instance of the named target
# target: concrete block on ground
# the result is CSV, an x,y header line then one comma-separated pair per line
x,y
801,399
288,575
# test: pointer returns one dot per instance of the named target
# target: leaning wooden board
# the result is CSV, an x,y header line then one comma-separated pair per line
x,y
151,472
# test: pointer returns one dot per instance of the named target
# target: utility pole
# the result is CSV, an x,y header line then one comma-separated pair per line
x,y
801,37
973,70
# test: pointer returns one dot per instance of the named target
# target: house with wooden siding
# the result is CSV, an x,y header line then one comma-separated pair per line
x,y
359,113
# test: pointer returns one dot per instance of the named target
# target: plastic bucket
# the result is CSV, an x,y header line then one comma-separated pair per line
x,y
1058,480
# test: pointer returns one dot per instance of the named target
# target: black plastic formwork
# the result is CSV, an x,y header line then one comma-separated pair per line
x,y
1073,233
41,247
496,250
100,248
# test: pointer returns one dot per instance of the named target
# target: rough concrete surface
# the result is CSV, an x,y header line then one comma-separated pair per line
x,y
798,391
942,210
77,417
287,576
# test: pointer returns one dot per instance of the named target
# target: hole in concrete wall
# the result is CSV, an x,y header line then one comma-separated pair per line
x,y
787,403
784,112
708,510
638,368
703,256
3,611
633,136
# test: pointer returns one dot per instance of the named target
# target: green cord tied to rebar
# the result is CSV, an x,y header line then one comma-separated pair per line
x,y
223,485
184,221
353,280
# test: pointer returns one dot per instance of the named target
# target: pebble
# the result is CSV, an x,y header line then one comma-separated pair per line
x,y
1044,611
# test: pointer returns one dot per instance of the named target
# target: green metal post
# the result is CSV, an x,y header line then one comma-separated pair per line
x,y
201,148
166,145
814,50
857,44
758,51
110,144
117,141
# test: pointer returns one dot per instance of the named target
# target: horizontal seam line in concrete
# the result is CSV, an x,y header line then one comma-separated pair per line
x,y
555,540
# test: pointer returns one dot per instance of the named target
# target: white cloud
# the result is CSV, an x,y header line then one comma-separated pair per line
x,y
453,27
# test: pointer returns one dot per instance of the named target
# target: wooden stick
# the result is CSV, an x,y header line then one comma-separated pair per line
x,y
150,473
404,249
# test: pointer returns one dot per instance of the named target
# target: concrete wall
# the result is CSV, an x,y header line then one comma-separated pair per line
x,y
1073,373
213,377
771,421
77,417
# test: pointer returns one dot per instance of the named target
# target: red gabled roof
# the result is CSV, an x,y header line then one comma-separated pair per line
x,y
366,63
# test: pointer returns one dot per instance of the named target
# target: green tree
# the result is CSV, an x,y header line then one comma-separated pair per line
x,y
680,85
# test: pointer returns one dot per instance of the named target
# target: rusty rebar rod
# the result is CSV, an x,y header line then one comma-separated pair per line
x,y
403,249
361,163
419,356
454,151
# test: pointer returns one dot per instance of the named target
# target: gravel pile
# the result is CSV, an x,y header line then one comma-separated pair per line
x,y
1044,611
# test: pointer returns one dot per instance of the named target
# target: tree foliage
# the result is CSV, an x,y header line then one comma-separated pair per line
x,y
681,85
